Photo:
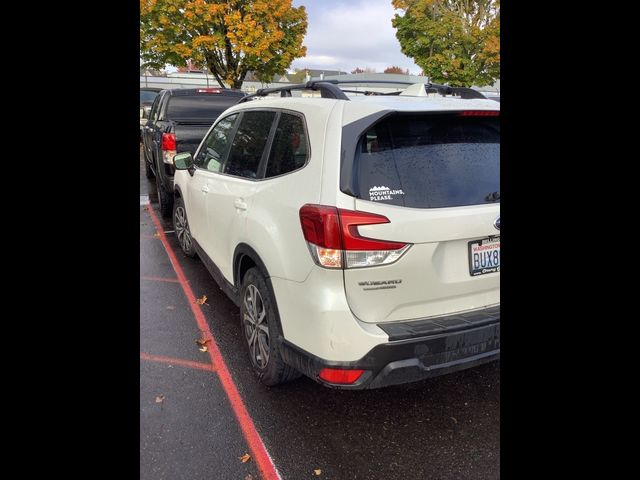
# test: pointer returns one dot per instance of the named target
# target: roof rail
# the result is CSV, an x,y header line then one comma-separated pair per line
x,y
462,92
328,89
443,90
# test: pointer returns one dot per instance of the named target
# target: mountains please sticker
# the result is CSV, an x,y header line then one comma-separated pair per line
x,y
377,194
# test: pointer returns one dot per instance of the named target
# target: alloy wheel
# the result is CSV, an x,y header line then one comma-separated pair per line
x,y
182,229
256,328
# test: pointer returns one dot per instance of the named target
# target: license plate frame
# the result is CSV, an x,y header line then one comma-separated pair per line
x,y
489,265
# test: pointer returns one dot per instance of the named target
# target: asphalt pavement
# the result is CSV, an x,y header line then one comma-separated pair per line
x,y
203,412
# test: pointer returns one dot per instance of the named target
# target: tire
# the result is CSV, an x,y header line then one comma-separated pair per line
x,y
263,341
165,200
181,227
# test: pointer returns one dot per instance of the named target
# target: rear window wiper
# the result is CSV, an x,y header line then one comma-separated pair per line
x,y
493,197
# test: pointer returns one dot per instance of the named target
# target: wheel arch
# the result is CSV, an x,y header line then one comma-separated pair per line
x,y
245,258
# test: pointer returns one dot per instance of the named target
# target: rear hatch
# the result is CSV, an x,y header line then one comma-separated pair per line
x,y
194,111
436,179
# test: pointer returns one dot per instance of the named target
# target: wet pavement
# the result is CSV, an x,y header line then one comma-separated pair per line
x,y
191,427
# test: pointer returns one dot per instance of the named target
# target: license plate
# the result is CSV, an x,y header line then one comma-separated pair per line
x,y
484,256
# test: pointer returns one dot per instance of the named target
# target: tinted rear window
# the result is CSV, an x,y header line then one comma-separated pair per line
x,y
200,107
289,149
429,161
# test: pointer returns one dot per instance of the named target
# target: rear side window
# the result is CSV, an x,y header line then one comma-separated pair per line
x,y
249,144
198,107
430,161
289,148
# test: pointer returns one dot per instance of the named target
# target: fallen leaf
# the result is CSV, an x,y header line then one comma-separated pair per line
x,y
203,343
160,399
454,420
146,208
317,471
201,301
171,307
245,458
249,477
156,235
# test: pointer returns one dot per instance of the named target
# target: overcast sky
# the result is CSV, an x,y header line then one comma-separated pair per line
x,y
345,34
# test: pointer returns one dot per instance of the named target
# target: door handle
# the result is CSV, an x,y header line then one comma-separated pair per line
x,y
205,189
240,205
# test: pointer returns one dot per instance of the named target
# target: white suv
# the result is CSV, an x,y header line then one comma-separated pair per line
x,y
359,235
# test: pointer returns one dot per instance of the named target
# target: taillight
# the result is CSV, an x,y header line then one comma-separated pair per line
x,y
342,376
168,147
480,113
208,90
168,141
334,242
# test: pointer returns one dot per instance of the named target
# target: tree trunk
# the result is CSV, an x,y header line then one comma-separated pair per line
x,y
214,71
238,81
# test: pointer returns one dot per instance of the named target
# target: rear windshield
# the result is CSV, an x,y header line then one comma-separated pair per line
x,y
430,161
199,107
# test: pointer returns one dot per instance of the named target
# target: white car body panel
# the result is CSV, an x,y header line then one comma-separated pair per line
x,y
329,313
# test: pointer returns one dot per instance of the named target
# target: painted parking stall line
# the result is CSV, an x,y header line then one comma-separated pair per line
x,y
177,361
260,454
160,279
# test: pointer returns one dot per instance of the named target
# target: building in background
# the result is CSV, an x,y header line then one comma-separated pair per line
x,y
196,79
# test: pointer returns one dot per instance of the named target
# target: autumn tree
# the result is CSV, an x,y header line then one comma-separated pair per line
x,y
231,37
189,67
395,69
454,41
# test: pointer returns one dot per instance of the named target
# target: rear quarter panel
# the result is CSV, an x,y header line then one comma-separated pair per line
x,y
273,226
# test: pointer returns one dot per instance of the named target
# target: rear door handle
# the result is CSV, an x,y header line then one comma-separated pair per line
x,y
240,205
205,189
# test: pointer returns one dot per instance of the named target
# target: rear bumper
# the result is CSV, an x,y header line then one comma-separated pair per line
x,y
429,352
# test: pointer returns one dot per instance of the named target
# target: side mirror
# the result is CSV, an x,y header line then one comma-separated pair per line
x,y
183,161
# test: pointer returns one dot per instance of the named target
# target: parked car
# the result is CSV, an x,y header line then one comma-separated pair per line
x,y
359,236
178,120
147,96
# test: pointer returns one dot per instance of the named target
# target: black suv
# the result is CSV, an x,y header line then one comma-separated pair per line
x,y
178,121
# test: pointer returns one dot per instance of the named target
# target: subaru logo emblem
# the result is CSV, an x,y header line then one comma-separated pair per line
x,y
497,223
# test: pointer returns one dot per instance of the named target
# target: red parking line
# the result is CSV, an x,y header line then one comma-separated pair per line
x,y
177,361
161,279
260,455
